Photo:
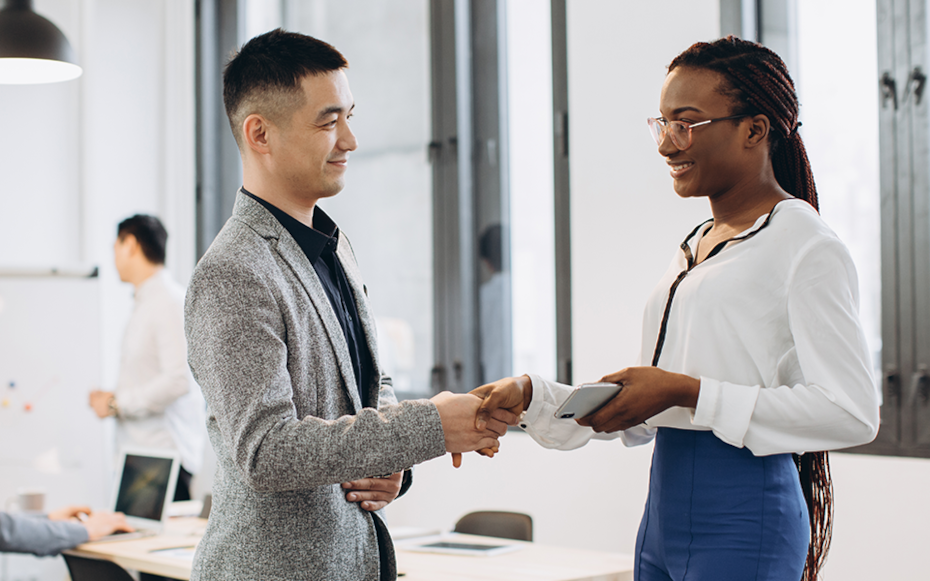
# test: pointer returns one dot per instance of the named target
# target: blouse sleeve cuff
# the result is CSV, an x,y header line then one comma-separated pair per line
x,y
731,421
538,404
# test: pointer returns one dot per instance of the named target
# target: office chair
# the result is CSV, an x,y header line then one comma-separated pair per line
x,y
83,569
207,505
493,523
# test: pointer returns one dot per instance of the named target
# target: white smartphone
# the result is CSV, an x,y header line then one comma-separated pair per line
x,y
587,399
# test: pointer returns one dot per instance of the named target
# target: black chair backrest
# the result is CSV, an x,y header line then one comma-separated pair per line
x,y
494,523
83,569
207,505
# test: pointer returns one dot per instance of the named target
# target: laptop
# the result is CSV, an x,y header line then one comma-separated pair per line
x,y
145,487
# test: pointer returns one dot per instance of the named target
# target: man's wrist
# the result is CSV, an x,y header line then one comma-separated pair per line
x,y
112,406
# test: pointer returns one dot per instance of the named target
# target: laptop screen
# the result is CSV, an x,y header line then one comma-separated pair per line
x,y
143,486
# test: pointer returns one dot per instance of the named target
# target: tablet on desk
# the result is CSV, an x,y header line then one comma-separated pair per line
x,y
456,547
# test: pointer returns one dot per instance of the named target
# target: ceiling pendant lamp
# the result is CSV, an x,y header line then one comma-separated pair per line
x,y
32,49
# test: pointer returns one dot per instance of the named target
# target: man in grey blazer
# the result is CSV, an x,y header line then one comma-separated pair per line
x,y
309,437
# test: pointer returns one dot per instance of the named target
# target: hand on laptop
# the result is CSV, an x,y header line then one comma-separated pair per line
x,y
69,512
101,524
98,524
374,493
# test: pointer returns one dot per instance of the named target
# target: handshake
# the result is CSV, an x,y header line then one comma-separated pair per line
x,y
475,421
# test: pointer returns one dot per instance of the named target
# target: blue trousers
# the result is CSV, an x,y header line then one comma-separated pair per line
x,y
718,513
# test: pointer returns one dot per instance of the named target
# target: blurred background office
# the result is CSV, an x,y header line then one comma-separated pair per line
x,y
525,115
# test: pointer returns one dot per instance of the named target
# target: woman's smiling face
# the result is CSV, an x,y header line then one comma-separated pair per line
x,y
714,161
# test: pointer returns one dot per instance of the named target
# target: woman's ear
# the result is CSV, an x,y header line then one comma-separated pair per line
x,y
759,127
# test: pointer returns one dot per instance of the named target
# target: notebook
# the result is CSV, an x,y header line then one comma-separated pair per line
x,y
144,489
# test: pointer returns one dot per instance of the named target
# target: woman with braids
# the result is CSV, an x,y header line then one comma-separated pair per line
x,y
758,361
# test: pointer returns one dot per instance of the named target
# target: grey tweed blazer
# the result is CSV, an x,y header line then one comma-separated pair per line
x,y
285,417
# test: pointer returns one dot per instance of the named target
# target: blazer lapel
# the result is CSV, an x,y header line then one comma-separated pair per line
x,y
287,248
354,276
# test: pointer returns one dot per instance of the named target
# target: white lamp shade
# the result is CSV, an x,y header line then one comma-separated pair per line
x,y
32,49
20,71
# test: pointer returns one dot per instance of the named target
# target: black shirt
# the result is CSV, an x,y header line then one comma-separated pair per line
x,y
319,246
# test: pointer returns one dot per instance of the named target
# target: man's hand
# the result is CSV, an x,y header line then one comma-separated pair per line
x,y
374,493
101,524
647,391
457,412
513,394
100,402
69,512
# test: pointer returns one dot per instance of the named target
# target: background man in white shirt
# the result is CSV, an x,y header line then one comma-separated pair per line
x,y
156,402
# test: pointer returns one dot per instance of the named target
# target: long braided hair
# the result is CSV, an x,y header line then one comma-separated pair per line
x,y
758,83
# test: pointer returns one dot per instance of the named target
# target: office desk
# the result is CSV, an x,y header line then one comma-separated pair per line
x,y
137,553
532,563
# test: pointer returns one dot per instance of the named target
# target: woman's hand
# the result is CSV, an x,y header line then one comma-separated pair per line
x,y
647,391
513,394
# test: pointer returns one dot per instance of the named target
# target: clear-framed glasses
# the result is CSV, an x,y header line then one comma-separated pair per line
x,y
679,131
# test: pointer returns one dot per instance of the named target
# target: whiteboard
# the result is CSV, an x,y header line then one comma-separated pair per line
x,y
50,358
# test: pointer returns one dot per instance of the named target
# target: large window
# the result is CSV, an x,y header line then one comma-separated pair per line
x,y
449,200
839,110
859,67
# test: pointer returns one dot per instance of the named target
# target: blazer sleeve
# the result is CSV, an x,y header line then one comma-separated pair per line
x,y
238,354
38,535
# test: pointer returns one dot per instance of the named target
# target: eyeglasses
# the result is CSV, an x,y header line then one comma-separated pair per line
x,y
679,131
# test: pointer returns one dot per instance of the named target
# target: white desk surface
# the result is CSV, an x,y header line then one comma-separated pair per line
x,y
532,563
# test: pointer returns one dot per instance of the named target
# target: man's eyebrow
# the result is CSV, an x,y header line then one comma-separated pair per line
x,y
331,110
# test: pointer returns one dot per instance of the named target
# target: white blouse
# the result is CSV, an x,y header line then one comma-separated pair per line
x,y
770,325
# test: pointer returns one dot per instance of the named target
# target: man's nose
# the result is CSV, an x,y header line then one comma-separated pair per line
x,y
347,140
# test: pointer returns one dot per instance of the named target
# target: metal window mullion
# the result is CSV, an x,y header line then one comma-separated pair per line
x,y
905,235
445,186
561,192
218,164
490,172
888,438
917,396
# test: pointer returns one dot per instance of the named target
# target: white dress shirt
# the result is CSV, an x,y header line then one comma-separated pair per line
x,y
770,325
160,406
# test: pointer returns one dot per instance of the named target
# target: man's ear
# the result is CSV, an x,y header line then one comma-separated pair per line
x,y
255,129
759,127
132,244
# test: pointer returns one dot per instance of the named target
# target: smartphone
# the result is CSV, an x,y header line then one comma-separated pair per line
x,y
587,399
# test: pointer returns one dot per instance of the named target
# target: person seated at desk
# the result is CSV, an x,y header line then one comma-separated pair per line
x,y
65,528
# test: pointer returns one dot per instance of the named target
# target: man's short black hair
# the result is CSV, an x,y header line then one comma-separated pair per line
x,y
149,233
264,77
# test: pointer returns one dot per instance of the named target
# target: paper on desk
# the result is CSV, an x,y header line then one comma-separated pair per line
x,y
186,553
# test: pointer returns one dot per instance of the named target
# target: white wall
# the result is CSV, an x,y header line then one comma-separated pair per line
x,y
626,224
80,156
